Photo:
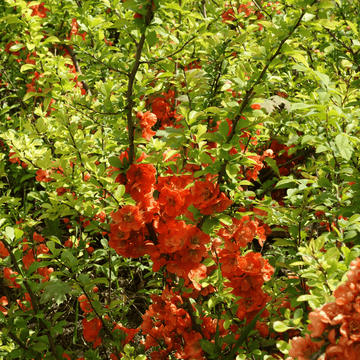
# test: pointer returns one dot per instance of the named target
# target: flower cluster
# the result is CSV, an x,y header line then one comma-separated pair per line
x,y
335,326
168,323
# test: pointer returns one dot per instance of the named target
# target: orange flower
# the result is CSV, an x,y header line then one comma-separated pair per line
x,y
3,251
25,299
351,352
171,200
3,301
91,329
128,218
303,348
350,327
85,304
39,10
11,278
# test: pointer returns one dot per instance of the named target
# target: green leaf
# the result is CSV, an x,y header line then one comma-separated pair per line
x,y
232,170
209,224
205,158
115,161
173,6
343,145
279,326
16,47
308,297
55,290
68,258
285,183
40,346
332,254
26,67
208,346
213,110
299,106
284,242
328,24
10,233
151,38
224,128
53,228
51,40
272,163
16,354
299,57
353,27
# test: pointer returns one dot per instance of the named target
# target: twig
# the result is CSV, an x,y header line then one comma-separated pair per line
x,y
170,55
77,67
101,62
129,93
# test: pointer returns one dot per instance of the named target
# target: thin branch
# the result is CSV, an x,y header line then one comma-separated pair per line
x,y
101,62
77,67
249,93
98,112
129,93
262,9
132,37
170,55
23,105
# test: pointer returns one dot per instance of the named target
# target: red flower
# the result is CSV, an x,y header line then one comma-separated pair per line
x,y
3,251
256,106
141,180
304,347
3,301
197,237
172,201
161,108
28,259
11,277
37,237
43,175
39,10
25,299
85,304
91,329
128,218
147,119
350,327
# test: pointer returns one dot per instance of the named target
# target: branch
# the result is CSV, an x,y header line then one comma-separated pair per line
x,y
77,67
23,105
249,93
170,55
129,92
97,112
101,62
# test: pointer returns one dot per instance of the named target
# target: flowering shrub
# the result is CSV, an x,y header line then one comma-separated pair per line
x,y
178,180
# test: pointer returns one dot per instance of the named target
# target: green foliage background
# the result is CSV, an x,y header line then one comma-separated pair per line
x,y
308,50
